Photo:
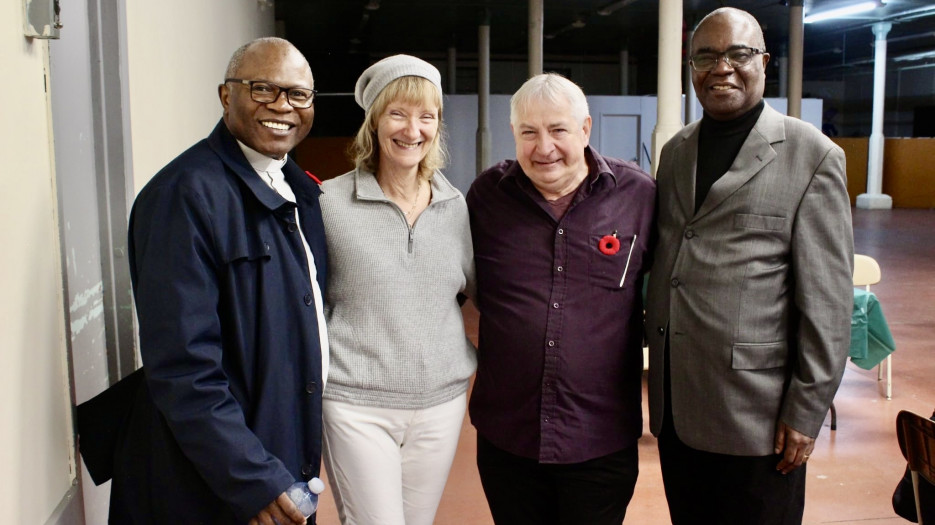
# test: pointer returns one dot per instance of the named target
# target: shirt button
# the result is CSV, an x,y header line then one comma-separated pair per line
x,y
266,245
675,283
308,299
561,231
554,305
311,387
551,343
561,269
307,470
292,227
689,234
661,330
546,419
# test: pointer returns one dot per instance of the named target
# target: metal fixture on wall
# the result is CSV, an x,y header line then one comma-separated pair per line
x,y
42,18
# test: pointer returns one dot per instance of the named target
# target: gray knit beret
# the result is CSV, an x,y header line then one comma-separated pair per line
x,y
379,75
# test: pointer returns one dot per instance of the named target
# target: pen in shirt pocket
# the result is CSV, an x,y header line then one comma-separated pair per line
x,y
627,267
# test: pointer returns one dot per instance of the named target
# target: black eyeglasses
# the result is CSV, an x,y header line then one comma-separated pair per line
x,y
266,92
735,58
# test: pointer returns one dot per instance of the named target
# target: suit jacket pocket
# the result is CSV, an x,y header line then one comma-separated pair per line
x,y
759,222
759,356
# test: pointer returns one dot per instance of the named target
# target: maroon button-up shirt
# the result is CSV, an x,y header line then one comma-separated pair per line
x,y
560,343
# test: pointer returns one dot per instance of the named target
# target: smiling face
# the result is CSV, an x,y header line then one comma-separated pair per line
x,y
406,132
550,144
726,93
275,128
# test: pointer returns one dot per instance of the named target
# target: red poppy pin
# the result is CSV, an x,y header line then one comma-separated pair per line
x,y
609,244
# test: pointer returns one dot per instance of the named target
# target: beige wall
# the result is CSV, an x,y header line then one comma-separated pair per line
x,y
177,53
35,464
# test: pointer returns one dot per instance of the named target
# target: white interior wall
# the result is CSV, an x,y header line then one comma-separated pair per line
x,y
36,467
177,53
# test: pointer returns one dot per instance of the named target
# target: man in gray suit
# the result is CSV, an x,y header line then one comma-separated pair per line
x,y
750,295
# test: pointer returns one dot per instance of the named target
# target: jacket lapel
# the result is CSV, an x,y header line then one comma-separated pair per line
x,y
754,155
685,161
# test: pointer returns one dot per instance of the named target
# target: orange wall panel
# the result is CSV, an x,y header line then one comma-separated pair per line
x,y
855,153
909,172
908,169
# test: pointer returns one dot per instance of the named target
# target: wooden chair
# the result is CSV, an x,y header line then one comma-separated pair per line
x,y
916,436
867,272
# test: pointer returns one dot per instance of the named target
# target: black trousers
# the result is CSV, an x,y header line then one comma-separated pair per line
x,y
710,489
522,491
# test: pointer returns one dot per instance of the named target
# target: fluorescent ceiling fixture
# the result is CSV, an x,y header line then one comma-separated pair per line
x,y
915,56
840,12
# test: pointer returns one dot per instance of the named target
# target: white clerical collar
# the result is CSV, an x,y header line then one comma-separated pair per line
x,y
260,162
270,170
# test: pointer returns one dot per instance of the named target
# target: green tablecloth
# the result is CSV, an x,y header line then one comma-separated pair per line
x,y
871,340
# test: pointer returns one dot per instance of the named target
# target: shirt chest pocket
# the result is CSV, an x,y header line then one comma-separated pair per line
x,y
613,262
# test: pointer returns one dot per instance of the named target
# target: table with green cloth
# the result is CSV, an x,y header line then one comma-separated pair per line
x,y
871,340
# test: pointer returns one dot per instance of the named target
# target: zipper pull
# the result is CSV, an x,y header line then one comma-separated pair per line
x,y
410,239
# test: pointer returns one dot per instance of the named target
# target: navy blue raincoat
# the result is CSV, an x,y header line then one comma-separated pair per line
x,y
230,413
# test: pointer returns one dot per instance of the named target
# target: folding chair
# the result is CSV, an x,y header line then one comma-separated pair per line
x,y
916,436
867,272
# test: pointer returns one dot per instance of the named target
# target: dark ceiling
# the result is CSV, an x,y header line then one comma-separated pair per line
x,y
342,37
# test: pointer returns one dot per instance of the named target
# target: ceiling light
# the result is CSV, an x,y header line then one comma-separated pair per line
x,y
915,56
610,8
841,12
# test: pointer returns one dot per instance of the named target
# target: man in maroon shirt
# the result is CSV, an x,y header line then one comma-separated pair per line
x,y
561,242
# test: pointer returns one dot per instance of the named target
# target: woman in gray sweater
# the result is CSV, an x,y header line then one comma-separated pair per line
x,y
399,257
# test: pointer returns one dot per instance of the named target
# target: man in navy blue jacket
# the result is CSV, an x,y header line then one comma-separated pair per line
x,y
227,256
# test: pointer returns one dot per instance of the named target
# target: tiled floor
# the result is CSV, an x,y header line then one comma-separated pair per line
x,y
853,471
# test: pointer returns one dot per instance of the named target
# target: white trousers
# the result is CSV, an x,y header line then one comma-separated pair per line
x,y
389,466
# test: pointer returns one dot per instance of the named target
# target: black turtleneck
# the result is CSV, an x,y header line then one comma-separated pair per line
x,y
719,141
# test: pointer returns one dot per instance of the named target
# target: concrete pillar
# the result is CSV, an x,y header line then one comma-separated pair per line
x,y
669,99
691,98
796,56
624,71
874,198
784,73
536,22
452,70
483,94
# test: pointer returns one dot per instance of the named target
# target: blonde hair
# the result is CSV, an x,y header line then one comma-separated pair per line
x,y
365,151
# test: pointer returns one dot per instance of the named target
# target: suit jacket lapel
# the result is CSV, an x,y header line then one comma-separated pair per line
x,y
754,155
685,160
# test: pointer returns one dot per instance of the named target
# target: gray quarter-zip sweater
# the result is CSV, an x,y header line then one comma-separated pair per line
x,y
394,322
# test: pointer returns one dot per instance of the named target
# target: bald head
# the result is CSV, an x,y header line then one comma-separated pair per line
x,y
236,61
733,16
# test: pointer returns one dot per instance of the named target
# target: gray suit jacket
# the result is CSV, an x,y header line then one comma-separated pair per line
x,y
754,290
